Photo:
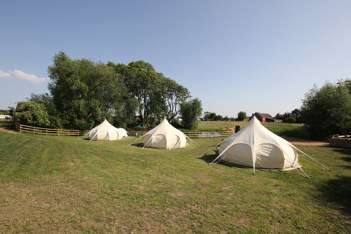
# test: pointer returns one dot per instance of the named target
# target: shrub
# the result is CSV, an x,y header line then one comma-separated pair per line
x,y
32,113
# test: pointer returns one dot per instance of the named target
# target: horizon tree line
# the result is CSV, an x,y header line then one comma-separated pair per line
x,y
82,93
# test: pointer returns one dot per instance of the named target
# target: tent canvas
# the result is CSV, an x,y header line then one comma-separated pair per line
x,y
106,131
257,147
164,136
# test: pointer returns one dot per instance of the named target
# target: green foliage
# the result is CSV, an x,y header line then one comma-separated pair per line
x,y
242,116
190,112
47,101
327,111
290,117
212,116
84,93
32,113
4,112
157,96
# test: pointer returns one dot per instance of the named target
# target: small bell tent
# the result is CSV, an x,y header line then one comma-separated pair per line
x,y
257,147
165,136
107,132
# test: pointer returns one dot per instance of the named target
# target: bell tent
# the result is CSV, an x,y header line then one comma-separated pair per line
x,y
165,136
107,132
257,147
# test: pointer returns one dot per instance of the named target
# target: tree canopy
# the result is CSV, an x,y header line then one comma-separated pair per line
x,y
32,113
290,117
242,116
83,93
327,110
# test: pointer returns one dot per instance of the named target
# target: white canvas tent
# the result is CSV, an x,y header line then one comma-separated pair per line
x,y
165,136
257,147
107,132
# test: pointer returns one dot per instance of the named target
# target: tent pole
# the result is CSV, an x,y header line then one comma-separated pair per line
x,y
253,158
311,158
222,152
94,135
303,173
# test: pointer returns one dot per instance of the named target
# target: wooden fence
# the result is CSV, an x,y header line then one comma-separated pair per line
x,y
197,134
192,134
66,132
343,141
47,131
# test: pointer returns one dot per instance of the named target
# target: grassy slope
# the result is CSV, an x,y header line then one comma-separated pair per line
x,y
65,184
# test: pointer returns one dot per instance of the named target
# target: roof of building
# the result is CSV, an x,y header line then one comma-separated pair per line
x,y
264,115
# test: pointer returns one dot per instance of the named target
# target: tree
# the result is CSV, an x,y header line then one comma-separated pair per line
x,y
242,116
157,96
145,84
290,117
190,112
32,113
47,101
327,110
84,93
175,94
210,116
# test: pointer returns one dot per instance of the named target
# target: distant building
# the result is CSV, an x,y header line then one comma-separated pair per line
x,y
264,117
6,117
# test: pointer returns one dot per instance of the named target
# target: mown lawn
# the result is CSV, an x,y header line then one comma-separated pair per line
x,y
66,184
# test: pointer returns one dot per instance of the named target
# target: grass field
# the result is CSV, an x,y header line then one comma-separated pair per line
x,y
66,184
283,129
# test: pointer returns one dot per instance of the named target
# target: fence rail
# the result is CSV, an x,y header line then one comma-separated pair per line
x,y
47,131
343,141
192,134
65,132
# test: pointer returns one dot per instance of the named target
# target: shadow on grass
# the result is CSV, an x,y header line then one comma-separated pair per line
x,y
209,157
139,145
347,155
338,191
299,132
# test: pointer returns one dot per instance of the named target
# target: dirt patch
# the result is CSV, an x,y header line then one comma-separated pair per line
x,y
307,142
7,130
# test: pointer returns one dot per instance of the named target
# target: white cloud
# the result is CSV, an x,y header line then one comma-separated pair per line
x,y
20,75
4,74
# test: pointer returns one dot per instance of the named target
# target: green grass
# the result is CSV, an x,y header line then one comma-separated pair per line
x,y
283,129
6,123
66,184
219,125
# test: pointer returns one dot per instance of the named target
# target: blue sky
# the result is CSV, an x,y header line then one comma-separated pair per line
x,y
234,55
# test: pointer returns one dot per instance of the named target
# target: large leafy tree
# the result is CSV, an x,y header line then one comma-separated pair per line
x,y
174,95
145,84
327,110
157,96
85,93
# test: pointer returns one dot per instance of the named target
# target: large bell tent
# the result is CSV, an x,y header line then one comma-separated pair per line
x,y
257,147
165,136
107,132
